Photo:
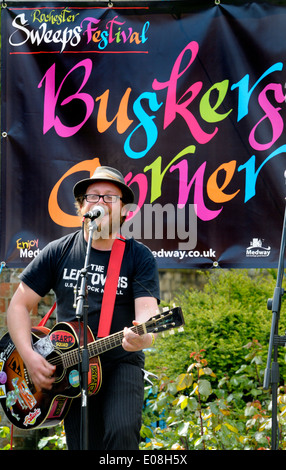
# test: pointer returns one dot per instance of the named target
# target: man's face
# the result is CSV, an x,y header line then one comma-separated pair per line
x,y
110,224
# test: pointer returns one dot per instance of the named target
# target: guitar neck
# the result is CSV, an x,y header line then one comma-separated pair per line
x,y
99,346
162,322
110,342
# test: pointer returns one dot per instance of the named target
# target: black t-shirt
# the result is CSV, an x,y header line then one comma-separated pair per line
x,y
57,267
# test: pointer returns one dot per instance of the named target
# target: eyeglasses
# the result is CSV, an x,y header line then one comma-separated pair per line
x,y
108,198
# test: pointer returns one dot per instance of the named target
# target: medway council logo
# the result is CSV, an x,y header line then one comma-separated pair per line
x,y
256,249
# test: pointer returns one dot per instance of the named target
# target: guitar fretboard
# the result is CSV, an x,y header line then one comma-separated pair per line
x,y
98,347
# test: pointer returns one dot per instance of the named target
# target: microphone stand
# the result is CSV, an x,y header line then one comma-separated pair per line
x,y
81,313
272,375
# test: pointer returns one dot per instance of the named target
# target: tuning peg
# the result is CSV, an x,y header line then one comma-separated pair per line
x,y
169,332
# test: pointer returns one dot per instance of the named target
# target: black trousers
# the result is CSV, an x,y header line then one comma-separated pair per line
x,y
115,412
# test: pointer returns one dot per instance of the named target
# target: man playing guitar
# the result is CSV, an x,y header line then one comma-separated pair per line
x,y
115,411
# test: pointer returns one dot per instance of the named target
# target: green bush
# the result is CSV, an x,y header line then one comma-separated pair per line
x,y
226,314
196,411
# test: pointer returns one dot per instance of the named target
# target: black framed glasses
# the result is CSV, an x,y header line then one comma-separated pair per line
x,y
108,198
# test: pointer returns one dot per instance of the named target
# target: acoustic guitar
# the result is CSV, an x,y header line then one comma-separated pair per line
x,y
27,408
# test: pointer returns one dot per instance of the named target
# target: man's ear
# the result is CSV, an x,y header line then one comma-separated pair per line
x,y
124,210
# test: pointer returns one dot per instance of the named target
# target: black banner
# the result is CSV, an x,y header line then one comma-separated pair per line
x,y
189,104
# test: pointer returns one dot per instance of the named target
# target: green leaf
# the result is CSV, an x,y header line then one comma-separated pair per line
x,y
205,388
4,431
183,401
184,381
192,404
146,432
183,429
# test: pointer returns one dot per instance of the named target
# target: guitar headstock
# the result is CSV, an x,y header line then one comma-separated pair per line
x,y
169,319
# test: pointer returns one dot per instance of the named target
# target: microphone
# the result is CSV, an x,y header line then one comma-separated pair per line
x,y
97,213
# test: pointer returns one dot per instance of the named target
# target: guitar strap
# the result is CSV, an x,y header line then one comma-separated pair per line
x,y
110,287
47,316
